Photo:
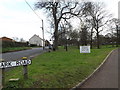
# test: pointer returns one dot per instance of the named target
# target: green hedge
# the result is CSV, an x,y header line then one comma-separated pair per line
x,y
14,44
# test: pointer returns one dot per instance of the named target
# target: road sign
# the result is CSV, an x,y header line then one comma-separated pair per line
x,y
14,63
84,49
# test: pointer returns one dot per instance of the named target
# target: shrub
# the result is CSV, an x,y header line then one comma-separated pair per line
x,y
13,44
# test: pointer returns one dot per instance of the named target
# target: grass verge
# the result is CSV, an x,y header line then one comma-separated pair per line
x,y
58,69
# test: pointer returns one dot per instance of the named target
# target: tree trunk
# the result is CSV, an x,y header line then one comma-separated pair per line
x,y
78,45
56,22
55,47
112,41
98,42
91,39
66,45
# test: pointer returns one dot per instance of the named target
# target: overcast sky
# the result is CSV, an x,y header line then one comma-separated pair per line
x,y
18,20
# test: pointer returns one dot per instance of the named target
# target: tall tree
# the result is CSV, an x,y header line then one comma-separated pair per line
x,y
88,29
73,36
117,25
64,29
112,30
100,17
83,35
57,11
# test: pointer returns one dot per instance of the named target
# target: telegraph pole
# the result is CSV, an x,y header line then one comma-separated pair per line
x,y
117,41
43,34
40,19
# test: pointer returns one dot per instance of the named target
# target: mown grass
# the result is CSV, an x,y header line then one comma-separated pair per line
x,y
10,49
58,69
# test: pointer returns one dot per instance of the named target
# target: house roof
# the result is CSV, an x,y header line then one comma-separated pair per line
x,y
36,36
6,39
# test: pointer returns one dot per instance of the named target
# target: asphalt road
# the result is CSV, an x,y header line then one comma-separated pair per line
x,y
107,77
19,54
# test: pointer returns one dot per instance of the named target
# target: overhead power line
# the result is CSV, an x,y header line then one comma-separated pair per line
x,y
40,19
33,10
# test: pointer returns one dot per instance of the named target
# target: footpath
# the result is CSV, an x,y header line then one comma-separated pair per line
x,y
107,76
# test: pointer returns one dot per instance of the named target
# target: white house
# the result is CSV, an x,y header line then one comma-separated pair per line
x,y
35,39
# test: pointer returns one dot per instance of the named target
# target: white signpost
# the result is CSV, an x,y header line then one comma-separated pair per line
x,y
7,64
84,49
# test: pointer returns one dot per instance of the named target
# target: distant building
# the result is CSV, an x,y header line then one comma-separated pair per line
x,y
6,39
35,39
47,43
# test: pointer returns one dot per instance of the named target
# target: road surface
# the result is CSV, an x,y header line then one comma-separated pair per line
x,y
107,77
19,54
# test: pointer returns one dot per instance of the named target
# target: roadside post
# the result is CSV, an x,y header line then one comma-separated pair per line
x,y
8,64
1,76
25,69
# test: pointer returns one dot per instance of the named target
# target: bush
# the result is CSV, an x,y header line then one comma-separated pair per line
x,y
13,44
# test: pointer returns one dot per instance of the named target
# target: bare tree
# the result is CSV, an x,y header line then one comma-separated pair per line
x,y
87,28
100,17
117,25
15,39
83,35
90,25
65,26
57,11
73,37
112,30
22,40
108,39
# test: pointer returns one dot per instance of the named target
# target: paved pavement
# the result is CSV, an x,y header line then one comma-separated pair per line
x,y
107,76
19,54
